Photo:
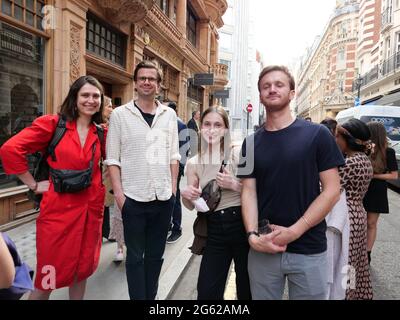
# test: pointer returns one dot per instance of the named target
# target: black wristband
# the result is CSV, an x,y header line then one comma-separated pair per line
x,y
252,232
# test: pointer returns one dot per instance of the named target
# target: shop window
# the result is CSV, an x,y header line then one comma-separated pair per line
x,y
104,41
21,86
191,27
26,11
195,92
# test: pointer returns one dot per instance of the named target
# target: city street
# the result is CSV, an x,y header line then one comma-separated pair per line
x,y
385,265
109,280
206,69
180,270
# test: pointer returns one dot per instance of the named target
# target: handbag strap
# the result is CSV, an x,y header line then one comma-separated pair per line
x,y
93,153
223,165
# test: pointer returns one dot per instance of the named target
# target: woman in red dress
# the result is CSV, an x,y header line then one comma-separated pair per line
x,y
68,229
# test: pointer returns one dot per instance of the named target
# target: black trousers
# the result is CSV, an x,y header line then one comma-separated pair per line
x,y
145,231
106,223
177,211
226,240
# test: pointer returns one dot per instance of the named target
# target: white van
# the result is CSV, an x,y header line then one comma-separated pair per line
x,y
388,115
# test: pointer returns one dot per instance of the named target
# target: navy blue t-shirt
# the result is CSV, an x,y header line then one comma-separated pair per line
x,y
286,167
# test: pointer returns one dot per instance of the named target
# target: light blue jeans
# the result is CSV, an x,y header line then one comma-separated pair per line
x,y
307,275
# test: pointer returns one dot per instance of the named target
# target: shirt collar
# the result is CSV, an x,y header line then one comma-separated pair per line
x,y
160,108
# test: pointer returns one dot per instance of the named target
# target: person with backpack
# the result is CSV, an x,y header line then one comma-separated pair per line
x,y
68,229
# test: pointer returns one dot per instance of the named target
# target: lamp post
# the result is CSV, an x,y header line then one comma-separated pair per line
x,y
359,82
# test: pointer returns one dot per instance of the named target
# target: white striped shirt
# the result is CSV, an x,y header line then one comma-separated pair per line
x,y
143,154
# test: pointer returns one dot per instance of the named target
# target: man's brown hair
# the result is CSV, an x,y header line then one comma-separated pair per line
x,y
283,69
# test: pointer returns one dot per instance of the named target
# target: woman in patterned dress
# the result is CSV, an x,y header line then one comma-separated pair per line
x,y
353,139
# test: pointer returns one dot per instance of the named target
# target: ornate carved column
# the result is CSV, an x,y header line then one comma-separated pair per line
x,y
75,57
181,13
140,39
171,9
214,50
183,88
69,47
205,40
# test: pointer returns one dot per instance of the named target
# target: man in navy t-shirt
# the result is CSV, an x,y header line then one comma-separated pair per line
x,y
284,166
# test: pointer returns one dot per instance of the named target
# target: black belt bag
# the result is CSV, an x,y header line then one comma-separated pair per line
x,y
69,181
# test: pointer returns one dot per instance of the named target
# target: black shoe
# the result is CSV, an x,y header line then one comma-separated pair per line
x,y
174,237
369,257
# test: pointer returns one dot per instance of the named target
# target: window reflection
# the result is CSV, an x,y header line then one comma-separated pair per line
x,y
21,85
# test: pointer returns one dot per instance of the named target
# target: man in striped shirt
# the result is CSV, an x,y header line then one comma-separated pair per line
x,y
143,157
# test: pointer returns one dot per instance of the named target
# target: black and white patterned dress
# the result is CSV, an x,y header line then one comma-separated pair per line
x,y
355,177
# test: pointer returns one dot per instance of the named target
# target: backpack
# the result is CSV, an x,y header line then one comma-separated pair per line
x,y
41,169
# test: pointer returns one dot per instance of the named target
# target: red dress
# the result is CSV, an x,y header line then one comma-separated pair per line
x,y
68,229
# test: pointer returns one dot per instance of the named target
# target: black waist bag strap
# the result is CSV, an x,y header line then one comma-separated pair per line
x,y
41,169
68,181
58,134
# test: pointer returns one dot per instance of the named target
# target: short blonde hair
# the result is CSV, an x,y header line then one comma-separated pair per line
x,y
107,101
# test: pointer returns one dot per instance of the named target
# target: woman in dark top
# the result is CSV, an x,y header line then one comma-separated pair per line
x,y
385,168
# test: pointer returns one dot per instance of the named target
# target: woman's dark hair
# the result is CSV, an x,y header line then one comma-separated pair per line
x,y
69,107
379,138
331,124
356,135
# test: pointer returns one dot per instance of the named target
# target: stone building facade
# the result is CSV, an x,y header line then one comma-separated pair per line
x,y
379,82
47,44
326,74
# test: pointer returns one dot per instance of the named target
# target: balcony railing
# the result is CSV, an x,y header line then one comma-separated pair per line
x,y
220,71
387,18
381,71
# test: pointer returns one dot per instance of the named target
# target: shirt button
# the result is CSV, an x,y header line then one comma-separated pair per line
x,y
222,211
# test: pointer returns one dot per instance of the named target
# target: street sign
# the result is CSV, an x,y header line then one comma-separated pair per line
x,y
203,79
357,102
221,94
249,108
